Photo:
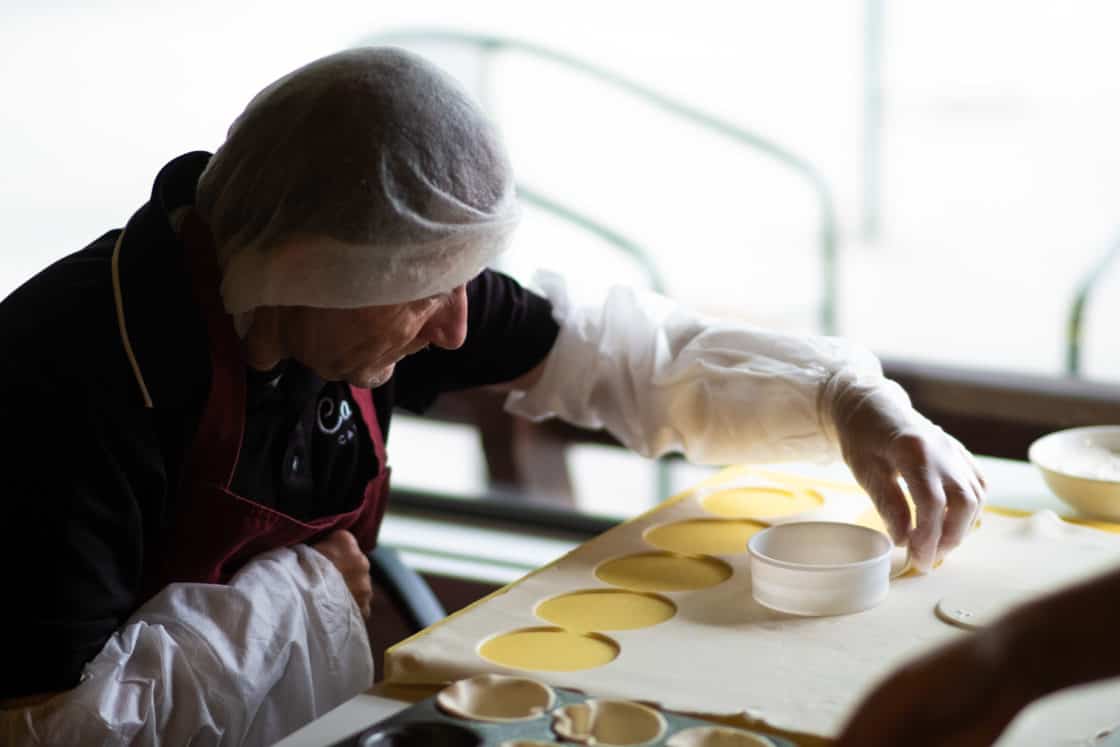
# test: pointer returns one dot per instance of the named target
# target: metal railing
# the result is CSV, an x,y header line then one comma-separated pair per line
x,y
1075,329
489,45
626,245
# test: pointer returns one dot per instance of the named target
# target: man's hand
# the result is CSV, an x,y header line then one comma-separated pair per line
x,y
882,438
342,549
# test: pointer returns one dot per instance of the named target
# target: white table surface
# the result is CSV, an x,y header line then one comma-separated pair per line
x,y
1011,484
349,718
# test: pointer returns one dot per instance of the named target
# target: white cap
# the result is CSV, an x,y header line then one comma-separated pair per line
x,y
367,177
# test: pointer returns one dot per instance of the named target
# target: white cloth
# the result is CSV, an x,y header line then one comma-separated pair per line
x,y
664,379
206,664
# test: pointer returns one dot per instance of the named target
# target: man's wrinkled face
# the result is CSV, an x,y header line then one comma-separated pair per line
x,y
362,346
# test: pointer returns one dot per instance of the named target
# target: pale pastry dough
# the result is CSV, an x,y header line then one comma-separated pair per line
x,y
496,697
608,723
704,536
716,736
606,609
663,571
977,608
549,650
762,503
830,663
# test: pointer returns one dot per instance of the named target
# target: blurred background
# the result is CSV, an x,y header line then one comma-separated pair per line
x,y
940,181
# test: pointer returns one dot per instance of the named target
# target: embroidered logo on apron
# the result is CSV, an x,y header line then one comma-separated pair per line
x,y
336,418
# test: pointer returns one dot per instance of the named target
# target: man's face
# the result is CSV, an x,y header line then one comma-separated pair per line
x,y
362,346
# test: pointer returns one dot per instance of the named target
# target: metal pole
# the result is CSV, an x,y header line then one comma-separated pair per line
x,y
870,220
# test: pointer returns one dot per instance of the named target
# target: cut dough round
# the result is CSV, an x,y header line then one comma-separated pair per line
x,y
704,536
716,736
977,608
605,609
663,571
549,650
608,723
762,503
496,697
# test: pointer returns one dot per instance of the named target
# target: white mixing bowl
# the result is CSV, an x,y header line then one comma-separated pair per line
x,y
1082,467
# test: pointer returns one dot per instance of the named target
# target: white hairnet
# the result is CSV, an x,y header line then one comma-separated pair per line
x,y
364,178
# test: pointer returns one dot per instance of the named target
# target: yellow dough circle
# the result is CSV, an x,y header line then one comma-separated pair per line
x,y
762,503
606,609
549,650
704,536
663,571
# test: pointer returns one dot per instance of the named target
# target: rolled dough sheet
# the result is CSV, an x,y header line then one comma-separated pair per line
x,y
723,654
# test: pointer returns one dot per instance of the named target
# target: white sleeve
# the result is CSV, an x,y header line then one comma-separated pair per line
x,y
205,664
661,378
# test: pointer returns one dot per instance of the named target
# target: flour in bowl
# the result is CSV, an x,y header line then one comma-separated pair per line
x,y
1092,461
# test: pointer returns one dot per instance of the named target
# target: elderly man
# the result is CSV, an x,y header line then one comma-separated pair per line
x,y
187,564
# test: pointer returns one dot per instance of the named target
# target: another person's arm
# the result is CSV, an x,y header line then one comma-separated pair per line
x,y
966,693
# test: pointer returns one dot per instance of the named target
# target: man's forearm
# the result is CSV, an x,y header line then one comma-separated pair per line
x,y
662,378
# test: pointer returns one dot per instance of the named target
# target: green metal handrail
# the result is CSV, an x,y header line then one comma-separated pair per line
x,y
489,43
1077,310
628,246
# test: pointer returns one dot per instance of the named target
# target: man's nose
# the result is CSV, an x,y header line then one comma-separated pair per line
x,y
448,327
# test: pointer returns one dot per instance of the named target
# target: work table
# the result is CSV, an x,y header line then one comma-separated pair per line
x,y
1014,485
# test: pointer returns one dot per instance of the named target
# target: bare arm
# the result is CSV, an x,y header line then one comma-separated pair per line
x,y
523,382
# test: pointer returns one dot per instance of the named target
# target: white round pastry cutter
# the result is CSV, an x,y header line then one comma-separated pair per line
x,y
823,568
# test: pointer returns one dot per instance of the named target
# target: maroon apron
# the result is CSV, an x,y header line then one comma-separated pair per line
x,y
215,531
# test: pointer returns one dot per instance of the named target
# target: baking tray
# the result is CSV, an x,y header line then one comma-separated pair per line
x,y
425,724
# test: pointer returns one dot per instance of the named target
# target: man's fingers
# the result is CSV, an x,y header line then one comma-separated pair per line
x,y
346,540
890,501
929,502
342,549
960,513
361,560
362,589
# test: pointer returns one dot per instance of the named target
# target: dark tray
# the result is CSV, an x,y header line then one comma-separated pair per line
x,y
424,724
